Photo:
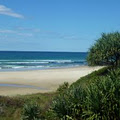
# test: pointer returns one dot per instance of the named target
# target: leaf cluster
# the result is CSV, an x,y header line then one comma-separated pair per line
x,y
106,50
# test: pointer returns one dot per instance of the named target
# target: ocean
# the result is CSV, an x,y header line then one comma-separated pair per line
x,y
14,60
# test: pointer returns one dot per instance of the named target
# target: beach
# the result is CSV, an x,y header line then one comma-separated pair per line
x,y
35,81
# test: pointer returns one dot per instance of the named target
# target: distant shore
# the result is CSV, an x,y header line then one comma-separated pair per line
x,y
35,81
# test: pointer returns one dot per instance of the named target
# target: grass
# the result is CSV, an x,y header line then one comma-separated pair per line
x,y
11,107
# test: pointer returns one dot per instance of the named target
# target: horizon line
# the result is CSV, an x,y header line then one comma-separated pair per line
x,y
40,51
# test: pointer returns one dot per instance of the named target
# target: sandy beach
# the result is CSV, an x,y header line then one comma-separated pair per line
x,y
35,81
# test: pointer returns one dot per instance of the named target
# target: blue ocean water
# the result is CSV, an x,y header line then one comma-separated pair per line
x,y
14,60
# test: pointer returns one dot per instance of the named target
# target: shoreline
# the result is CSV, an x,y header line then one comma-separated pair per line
x,y
49,79
39,69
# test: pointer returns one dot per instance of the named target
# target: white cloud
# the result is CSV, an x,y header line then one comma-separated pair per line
x,y
27,29
7,31
15,32
7,11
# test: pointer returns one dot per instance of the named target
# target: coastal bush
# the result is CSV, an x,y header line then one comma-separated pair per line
x,y
63,87
66,105
99,100
31,111
11,107
106,50
11,102
102,100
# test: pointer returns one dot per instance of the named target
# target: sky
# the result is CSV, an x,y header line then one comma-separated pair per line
x,y
56,25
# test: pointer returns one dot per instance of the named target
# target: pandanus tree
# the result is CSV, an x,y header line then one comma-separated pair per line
x,y
106,50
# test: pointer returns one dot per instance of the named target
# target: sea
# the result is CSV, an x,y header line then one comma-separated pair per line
x,y
21,60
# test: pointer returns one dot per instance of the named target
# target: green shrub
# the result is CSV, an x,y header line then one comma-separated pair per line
x,y
11,101
66,105
99,100
106,50
31,111
102,101
11,107
61,105
63,87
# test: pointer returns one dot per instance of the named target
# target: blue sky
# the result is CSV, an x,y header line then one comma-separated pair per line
x,y
56,25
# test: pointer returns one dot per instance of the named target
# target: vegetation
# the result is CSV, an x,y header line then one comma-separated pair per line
x,y
11,108
99,100
63,87
31,111
106,50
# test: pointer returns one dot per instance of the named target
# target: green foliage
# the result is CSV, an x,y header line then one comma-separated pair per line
x,y
103,100
106,50
31,111
11,107
63,87
9,101
66,105
99,100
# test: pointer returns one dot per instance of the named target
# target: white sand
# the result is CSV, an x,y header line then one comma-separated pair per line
x,y
48,80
